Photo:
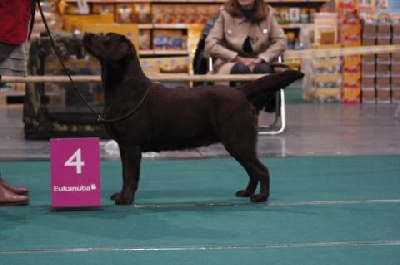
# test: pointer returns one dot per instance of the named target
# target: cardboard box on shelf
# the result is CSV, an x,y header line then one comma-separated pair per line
x,y
384,30
73,22
395,58
133,13
157,14
368,41
395,29
347,4
153,65
326,28
102,8
368,58
143,11
395,86
209,11
383,83
196,15
328,95
169,14
396,96
395,70
350,35
383,70
349,15
351,91
329,65
367,83
383,41
383,58
352,64
352,80
327,80
125,13
144,39
71,9
294,15
369,31
181,15
368,95
383,95
368,70
395,83
165,39
351,95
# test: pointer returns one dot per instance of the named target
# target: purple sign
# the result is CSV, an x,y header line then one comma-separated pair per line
x,y
75,172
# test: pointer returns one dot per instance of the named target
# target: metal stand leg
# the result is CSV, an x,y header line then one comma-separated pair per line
x,y
282,117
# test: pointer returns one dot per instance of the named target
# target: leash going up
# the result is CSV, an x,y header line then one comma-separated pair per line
x,y
100,118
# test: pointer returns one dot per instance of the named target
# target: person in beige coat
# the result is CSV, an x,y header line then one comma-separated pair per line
x,y
246,38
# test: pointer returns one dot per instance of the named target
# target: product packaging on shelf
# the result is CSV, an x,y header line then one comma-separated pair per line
x,y
350,36
326,29
327,80
368,62
101,8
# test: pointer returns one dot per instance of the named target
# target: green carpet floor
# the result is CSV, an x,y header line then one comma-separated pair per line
x,y
322,210
294,94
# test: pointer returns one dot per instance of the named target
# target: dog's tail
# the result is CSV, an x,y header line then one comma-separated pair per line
x,y
257,91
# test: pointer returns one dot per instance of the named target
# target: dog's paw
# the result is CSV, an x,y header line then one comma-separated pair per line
x,y
243,193
112,197
120,200
259,198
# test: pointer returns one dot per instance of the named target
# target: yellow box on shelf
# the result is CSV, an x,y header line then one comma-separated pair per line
x,y
72,21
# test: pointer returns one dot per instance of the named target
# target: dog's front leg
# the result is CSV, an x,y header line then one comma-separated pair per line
x,y
130,159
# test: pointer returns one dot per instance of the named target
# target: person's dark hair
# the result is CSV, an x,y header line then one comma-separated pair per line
x,y
260,10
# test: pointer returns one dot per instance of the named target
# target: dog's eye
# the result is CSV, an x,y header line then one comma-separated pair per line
x,y
107,37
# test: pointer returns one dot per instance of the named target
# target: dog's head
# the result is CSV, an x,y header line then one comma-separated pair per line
x,y
108,48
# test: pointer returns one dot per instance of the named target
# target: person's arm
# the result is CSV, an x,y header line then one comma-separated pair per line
x,y
278,41
215,46
15,21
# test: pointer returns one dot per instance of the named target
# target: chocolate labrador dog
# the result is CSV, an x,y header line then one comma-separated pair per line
x,y
143,116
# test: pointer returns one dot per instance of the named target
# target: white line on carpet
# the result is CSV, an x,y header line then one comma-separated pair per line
x,y
211,247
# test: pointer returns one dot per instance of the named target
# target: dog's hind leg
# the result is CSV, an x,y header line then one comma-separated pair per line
x,y
243,151
130,159
261,173
258,173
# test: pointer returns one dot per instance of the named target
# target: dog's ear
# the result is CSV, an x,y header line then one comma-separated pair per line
x,y
124,49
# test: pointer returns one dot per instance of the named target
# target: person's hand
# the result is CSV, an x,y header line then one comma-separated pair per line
x,y
243,60
249,62
254,62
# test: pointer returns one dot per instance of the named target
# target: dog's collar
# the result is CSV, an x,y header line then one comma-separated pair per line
x,y
101,117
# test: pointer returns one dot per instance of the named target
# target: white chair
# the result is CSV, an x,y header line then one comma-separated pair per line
x,y
279,123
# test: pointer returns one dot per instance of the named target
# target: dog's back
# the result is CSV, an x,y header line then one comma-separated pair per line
x,y
188,118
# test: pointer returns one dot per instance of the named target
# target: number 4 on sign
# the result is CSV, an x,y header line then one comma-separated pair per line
x,y
75,161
